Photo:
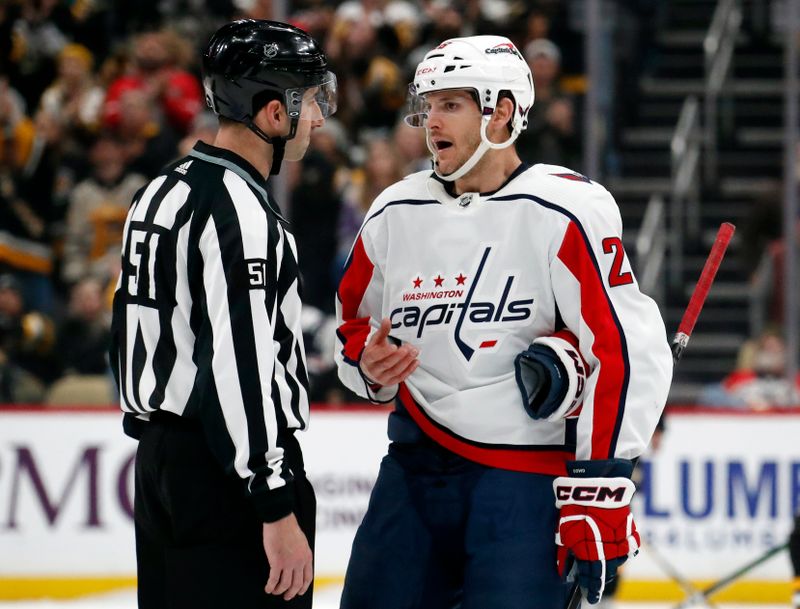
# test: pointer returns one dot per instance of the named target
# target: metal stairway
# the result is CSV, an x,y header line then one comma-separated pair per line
x,y
748,163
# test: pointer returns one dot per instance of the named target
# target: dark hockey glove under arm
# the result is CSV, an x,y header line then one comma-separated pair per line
x,y
551,375
595,523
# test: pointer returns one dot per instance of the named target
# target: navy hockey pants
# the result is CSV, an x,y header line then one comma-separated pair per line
x,y
442,532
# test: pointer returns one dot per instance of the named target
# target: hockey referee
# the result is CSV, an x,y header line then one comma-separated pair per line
x,y
206,342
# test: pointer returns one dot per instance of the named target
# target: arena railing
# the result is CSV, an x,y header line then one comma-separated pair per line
x,y
685,187
718,46
651,244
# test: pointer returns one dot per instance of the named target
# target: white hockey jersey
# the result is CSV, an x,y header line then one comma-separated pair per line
x,y
472,280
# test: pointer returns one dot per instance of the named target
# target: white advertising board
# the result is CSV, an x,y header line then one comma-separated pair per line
x,y
343,478
66,489
720,491
66,495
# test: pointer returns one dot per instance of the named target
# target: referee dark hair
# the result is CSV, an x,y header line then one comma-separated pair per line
x,y
207,348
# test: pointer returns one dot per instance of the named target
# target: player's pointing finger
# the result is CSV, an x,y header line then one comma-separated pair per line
x,y
382,333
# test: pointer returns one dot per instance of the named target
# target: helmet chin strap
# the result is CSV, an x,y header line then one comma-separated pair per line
x,y
482,148
278,146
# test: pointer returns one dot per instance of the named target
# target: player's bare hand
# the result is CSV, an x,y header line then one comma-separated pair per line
x,y
384,362
290,559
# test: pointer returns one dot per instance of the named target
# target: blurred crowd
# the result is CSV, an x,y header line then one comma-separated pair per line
x,y
95,97
758,380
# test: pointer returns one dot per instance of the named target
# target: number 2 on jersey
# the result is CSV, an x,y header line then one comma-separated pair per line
x,y
615,278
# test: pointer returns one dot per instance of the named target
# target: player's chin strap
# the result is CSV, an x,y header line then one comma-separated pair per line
x,y
482,148
278,144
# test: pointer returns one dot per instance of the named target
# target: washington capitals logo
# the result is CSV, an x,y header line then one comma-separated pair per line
x,y
503,47
468,313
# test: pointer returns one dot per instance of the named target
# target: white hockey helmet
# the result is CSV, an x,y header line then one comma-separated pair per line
x,y
486,65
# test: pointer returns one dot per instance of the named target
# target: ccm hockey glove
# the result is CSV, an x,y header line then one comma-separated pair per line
x,y
595,523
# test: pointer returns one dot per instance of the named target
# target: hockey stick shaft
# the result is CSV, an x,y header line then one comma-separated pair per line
x,y
685,328
698,299
671,571
729,579
575,596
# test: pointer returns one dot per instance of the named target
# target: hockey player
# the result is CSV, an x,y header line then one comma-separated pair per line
x,y
493,303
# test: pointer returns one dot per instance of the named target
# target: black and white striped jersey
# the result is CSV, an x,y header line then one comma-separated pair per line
x,y
206,320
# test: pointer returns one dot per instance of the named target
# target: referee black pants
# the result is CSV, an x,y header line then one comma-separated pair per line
x,y
198,541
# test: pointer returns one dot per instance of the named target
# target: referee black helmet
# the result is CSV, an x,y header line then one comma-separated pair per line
x,y
250,62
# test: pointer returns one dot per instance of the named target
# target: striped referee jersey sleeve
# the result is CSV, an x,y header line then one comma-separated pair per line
x,y
239,282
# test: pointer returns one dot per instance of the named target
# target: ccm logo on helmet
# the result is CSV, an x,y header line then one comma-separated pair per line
x,y
425,70
590,493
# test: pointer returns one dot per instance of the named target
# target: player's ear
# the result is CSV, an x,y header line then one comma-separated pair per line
x,y
502,116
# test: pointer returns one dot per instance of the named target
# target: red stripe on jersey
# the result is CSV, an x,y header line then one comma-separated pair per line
x,y
488,343
607,347
353,285
353,334
548,462
567,336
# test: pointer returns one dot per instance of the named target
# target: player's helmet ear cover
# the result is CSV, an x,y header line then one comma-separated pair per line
x,y
246,58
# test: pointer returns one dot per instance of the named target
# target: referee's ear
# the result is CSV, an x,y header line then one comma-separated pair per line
x,y
273,118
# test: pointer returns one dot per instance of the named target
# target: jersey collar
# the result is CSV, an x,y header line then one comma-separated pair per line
x,y
232,161
449,187
443,191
